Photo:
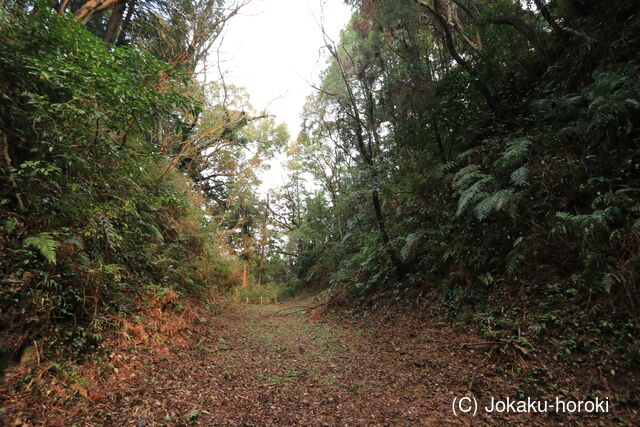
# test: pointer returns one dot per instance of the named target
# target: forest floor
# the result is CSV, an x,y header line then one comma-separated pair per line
x,y
275,365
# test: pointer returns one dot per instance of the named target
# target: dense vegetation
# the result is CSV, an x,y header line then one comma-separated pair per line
x,y
481,158
102,149
477,158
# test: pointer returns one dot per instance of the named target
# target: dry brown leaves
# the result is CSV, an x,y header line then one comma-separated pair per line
x,y
252,366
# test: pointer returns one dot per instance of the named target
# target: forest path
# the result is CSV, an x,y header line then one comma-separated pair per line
x,y
254,365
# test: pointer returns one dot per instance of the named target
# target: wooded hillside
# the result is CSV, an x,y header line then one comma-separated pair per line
x,y
476,161
481,158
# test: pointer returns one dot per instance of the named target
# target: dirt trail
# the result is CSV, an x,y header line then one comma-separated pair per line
x,y
253,366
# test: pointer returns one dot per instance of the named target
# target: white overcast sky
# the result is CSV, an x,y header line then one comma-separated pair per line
x,y
272,49
273,46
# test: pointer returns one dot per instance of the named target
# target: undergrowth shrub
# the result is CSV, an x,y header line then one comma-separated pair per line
x,y
89,218
530,202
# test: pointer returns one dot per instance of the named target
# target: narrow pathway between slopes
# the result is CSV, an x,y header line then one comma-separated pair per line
x,y
255,366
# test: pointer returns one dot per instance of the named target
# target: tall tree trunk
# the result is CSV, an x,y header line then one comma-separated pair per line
x,y
369,159
114,22
244,274
436,131
375,198
260,266
479,84
125,25
263,242
435,9
547,16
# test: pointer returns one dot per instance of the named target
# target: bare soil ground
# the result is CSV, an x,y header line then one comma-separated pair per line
x,y
260,365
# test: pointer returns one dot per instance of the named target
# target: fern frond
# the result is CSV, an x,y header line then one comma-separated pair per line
x,y
564,216
155,231
520,176
448,166
466,153
517,149
411,242
495,202
472,194
44,244
608,280
464,175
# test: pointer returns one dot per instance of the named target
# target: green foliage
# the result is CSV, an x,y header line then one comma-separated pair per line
x,y
497,168
493,203
517,149
85,182
520,176
44,244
